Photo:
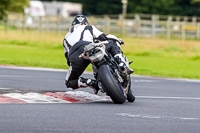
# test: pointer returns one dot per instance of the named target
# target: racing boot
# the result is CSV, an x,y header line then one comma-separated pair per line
x,y
83,82
123,65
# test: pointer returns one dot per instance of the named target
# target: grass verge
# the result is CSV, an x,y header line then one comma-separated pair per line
x,y
155,57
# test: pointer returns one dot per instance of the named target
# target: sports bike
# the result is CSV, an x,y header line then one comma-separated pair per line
x,y
112,79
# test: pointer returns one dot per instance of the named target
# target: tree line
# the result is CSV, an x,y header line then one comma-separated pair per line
x,y
161,7
101,7
7,6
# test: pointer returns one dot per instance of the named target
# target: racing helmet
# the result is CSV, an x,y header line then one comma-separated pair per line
x,y
80,19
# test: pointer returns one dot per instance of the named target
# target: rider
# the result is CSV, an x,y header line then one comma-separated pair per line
x,y
80,35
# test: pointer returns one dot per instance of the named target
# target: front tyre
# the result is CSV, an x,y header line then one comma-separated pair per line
x,y
130,96
111,85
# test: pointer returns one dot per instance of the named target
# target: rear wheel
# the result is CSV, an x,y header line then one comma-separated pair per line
x,y
111,85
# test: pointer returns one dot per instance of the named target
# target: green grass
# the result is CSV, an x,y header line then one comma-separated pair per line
x,y
23,55
166,67
155,57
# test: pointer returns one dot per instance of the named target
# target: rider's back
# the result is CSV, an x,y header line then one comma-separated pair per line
x,y
75,35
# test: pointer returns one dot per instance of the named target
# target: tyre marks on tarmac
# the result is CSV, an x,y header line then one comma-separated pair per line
x,y
50,97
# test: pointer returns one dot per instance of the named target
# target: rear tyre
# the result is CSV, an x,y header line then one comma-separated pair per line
x,y
111,85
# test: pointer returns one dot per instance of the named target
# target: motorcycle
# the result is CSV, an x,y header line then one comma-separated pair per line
x,y
112,79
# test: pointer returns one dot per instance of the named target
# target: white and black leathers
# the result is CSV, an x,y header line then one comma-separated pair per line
x,y
80,32
74,42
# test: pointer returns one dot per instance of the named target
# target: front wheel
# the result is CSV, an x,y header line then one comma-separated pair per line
x,y
111,85
130,95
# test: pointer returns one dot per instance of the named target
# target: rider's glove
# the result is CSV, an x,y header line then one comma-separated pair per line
x,y
114,38
89,46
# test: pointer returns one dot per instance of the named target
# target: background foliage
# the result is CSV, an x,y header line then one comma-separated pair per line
x,y
101,7
15,6
162,7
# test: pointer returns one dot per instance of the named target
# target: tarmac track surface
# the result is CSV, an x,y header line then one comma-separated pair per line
x,y
31,102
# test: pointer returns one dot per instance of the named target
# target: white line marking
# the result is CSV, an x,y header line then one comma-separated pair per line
x,y
138,116
151,117
165,78
161,97
63,70
189,118
154,117
126,114
147,81
5,88
34,68
35,98
15,76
